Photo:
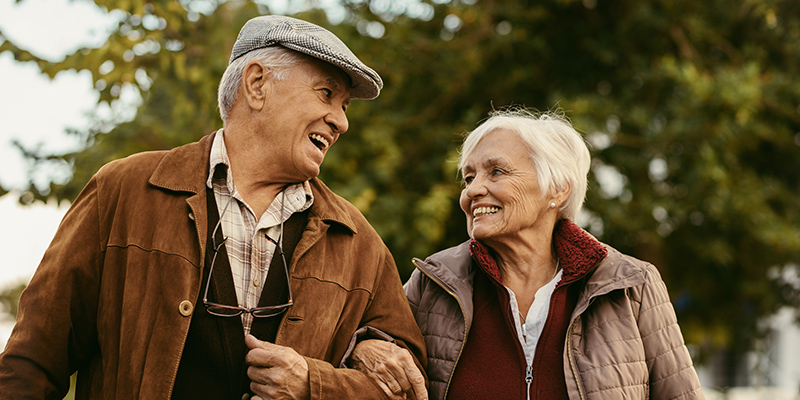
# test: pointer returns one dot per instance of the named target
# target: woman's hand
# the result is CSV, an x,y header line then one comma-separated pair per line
x,y
391,367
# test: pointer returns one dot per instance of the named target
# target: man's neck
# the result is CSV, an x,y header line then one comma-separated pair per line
x,y
254,181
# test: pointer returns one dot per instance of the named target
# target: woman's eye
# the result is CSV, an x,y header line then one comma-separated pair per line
x,y
467,180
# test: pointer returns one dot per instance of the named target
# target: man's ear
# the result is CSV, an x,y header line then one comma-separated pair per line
x,y
254,84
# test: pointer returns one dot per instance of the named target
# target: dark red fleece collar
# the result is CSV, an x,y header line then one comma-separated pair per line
x,y
578,253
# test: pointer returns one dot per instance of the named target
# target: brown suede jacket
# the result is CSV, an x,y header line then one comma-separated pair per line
x,y
115,291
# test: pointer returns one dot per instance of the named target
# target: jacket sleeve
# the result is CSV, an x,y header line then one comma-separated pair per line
x,y
55,330
388,312
672,375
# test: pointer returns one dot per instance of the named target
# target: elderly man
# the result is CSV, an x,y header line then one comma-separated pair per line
x,y
222,268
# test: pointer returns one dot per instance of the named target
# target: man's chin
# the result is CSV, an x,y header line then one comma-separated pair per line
x,y
307,172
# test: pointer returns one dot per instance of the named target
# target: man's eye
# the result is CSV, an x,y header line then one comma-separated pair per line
x,y
328,92
497,171
467,180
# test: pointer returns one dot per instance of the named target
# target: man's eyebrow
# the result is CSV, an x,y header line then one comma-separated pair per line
x,y
336,86
333,83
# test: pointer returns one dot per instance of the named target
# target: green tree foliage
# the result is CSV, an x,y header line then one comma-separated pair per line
x,y
692,111
9,299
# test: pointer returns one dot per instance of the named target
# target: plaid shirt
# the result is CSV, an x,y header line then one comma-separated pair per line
x,y
249,251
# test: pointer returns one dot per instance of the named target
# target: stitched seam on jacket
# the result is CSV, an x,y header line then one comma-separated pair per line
x,y
150,251
612,364
605,344
654,307
605,322
672,374
617,387
332,282
441,359
659,330
686,393
440,313
665,352
441,337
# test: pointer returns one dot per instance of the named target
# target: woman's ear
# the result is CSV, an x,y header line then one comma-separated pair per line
x,y
561,196
254,84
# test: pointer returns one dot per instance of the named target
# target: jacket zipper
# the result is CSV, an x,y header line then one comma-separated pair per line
x,y
464,342
569,353
529,379
571,364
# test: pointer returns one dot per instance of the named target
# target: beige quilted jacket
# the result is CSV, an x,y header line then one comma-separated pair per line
x,y
623,341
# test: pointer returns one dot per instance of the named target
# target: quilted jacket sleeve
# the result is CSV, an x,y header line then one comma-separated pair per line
x,y
672,375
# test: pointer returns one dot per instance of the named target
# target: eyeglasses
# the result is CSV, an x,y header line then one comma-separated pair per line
x,y
222,310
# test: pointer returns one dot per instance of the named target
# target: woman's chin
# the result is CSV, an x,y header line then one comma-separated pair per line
x,y
481,234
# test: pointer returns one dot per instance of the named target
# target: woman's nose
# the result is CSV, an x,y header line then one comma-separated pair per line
x,y
475,188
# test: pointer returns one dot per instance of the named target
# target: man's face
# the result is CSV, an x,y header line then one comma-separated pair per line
x,y
304,116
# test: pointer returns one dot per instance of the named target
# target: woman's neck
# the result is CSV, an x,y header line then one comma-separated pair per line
x,y
525,267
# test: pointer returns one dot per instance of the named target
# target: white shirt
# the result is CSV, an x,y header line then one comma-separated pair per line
x,y
529,332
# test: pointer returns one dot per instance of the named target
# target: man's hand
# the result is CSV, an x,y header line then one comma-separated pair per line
x,y
276,372
391,367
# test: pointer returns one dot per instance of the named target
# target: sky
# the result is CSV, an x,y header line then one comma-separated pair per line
x,y
35,112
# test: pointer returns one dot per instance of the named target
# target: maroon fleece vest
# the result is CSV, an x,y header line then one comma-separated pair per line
x,y
492,364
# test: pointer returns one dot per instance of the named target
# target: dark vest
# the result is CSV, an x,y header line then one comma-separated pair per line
x,y
212,364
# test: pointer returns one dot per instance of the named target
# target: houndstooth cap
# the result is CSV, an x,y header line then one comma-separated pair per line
x,y
305,37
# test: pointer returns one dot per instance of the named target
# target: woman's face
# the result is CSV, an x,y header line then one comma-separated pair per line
x,y
501,196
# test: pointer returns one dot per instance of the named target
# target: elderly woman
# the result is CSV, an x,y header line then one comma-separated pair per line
x,y
532,306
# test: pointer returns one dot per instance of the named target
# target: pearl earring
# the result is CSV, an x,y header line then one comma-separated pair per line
x,y
553,205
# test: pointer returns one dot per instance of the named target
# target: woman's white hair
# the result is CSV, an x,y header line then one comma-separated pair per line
x,y
277,59
559,153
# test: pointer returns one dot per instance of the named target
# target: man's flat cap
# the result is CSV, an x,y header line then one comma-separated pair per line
x,y
310,39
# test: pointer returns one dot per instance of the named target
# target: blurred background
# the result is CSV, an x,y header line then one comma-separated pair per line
x,y
691,110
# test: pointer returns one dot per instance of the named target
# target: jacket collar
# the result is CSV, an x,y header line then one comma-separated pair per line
x,y
178,171
451,268
581,255
578,253
577,250
330,207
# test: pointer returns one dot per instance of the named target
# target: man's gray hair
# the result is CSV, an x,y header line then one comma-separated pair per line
x,y
277,59
558,152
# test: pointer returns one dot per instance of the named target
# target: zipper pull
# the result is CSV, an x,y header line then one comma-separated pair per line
x,y
528,380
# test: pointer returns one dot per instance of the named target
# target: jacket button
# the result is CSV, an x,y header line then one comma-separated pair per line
x,y
191,216
186,308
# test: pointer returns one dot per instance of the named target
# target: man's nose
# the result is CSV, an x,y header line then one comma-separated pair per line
x,y
337,121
